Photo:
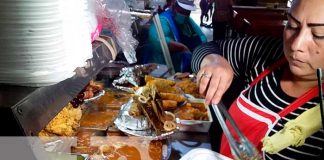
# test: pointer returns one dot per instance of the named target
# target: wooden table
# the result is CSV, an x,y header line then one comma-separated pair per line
x,y
267,27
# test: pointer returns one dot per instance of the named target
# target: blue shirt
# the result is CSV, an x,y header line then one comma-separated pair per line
x,y
171,33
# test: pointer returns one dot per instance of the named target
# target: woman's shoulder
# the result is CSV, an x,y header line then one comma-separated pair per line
x,y
264,39
255,43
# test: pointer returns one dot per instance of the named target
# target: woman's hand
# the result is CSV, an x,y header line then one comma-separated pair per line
x,y
214,78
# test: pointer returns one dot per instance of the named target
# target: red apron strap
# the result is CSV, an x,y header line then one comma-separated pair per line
x,y
280,62
300,101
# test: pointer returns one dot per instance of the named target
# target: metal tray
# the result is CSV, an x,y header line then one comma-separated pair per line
x,y
98,118
96,96
137,126
196,125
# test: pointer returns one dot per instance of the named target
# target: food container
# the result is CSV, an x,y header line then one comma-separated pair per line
x,y
115,145
196,125
112,99
111,71
98,118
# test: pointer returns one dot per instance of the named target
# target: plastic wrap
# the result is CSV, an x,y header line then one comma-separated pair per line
x,y
91,14
115,16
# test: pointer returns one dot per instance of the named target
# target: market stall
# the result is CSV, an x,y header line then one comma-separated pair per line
x,y
60,116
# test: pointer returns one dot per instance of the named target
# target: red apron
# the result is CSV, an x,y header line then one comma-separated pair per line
x,y
254,121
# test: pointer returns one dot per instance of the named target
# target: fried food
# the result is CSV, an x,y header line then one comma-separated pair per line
x,y
162,85
92,88
169,104
171,96
151,106
46,136
189,87
169,126
96,85
164,81
189,112
65,123
200,106
135,110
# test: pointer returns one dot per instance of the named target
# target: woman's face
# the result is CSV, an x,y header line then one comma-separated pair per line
x,y
304,38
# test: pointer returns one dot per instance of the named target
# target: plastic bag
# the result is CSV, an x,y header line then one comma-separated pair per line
x,y
115,16
91,14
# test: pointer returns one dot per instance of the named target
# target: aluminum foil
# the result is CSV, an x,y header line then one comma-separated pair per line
x,y
132,76
96,96
137,126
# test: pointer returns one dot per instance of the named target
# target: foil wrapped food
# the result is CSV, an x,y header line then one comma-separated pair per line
x,y
130,77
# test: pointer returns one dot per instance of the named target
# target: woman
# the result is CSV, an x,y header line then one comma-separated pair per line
x,y
280,78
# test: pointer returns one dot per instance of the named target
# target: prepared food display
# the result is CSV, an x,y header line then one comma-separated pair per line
x,y
192,111
63,124
194,116
183,85
131,151
132,77
113,99
162,85
98,119
92,91
145,117
119,146
160,99
188,86
68,119
151,105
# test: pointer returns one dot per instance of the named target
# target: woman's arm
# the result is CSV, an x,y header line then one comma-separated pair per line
x,y
222,60
214,78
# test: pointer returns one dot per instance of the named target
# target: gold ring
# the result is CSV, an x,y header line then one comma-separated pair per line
x,y
205,75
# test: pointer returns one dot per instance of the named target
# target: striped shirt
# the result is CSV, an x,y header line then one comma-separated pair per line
x,y
250,56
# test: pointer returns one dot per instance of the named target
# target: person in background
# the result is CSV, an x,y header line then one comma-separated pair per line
x,y
279,76
181,33
222,17
210,8
168,4
203,4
